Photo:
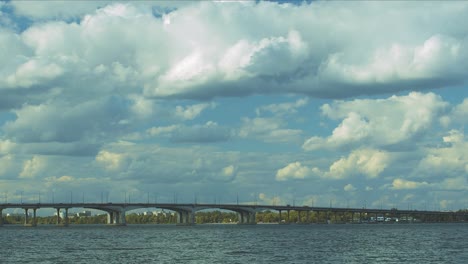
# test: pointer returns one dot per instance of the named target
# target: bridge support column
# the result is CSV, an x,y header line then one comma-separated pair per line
x,y
116,217
298,217
110,218
122,220
65,222
247,218
26,216
308,217
280,217
186,217
1,217
288,220
58,216
34,221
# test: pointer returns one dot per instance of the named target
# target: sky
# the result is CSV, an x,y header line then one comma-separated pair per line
x,y
318,103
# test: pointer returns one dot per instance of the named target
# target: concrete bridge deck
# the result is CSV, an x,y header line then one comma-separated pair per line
x,y
247,213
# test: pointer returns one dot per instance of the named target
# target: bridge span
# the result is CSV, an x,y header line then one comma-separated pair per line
x,y
247,213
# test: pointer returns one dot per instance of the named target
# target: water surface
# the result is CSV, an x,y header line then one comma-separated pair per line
x,y
365,243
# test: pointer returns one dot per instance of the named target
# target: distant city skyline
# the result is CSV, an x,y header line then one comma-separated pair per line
x,y
355,104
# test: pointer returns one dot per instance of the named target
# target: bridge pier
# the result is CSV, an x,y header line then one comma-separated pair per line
x,y
186,217
1,216
64,221
247,218
116,217
58,216
34,221
122,220
26,217
110,218
66,217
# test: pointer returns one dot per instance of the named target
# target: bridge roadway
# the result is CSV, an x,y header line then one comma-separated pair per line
x,y
247,213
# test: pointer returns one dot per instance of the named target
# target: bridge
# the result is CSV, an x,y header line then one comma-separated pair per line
x,y
247,213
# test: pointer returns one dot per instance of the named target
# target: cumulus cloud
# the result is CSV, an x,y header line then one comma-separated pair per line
x,y
368,162
110,160
254,62
349,188
399,119
32,167
448,160
282,108
295,171
211,61
457,116
192,111
163,130
64,178
268,130
49,122
401,184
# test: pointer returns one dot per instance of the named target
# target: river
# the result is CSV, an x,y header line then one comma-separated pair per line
x,y
346,243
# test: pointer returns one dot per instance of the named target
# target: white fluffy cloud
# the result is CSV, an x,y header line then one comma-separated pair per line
x,y
369,163
282,108
448,160
211,61
295,171
401,184
110,160
349,188
33,166
398,119
457,116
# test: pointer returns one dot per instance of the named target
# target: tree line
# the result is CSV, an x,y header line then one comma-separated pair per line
x,y
225,217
